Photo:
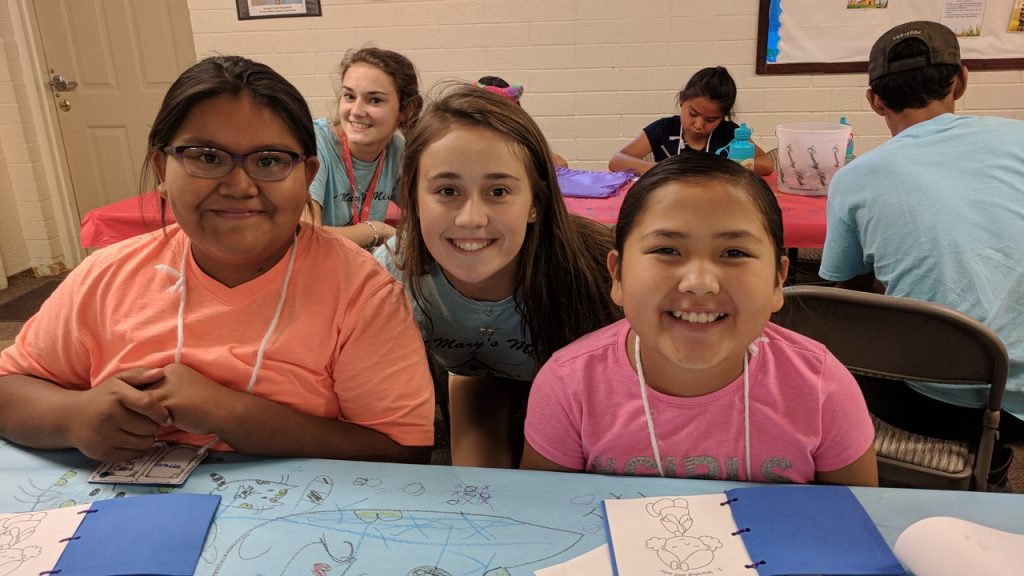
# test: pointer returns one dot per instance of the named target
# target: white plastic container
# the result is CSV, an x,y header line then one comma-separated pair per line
x,y
809,154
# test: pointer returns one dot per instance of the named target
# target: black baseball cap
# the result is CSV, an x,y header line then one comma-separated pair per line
x,y
943,48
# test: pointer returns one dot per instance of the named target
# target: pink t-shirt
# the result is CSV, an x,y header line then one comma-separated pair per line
x,y
346,346
807,414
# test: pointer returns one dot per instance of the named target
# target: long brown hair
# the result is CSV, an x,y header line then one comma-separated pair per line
x,y
562,287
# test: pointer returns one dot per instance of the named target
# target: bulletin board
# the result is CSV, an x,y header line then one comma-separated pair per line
x,y
805,36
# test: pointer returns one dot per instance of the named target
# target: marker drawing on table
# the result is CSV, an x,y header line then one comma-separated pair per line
x,y
410,488
340,524
470,494
592,510
62,492
410,540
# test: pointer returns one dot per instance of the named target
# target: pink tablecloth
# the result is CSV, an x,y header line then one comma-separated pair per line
x,y
137,215
122,219
803,217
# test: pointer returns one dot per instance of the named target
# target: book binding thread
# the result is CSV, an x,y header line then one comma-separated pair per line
x,y
753,565
68,539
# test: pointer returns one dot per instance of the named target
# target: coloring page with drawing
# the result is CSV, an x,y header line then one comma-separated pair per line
x,y
682,536
32,542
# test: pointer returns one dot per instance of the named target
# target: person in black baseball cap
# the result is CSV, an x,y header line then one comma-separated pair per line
x,y
941,43
915,66
928,215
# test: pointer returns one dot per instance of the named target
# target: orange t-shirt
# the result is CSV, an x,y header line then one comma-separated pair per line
x,y
346,345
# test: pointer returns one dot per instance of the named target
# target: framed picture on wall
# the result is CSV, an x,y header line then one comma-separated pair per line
x,y
251,9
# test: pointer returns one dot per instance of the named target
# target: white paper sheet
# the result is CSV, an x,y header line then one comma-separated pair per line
x,y
944,546
597,562
964,17
675,536
32,542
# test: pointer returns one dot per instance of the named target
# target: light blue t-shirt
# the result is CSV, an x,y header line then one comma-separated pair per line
x,y
466,336
331,188
937,213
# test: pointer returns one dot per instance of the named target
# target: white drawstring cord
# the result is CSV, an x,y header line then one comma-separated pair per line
x,y
751,350
273,321
746,413
647,406
180,286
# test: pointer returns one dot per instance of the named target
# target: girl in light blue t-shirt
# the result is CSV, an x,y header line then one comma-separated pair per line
x,y
500,274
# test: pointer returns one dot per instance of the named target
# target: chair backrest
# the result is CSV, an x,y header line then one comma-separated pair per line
x,y
773,155
904,339
898,338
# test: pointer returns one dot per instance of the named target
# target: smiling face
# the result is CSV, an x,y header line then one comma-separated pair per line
x,y
368,110
239,227
698,281
700,116
475,201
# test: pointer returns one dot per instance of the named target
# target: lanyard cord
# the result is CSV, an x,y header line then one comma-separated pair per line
x,y
180,287
371,190
682,142
650,419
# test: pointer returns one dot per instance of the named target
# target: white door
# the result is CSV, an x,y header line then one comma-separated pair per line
x,y
110,63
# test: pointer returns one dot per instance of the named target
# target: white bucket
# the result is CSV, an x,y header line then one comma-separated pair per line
x,y
809,154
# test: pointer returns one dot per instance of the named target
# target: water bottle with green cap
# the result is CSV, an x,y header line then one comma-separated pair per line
x,y
849,142
741,149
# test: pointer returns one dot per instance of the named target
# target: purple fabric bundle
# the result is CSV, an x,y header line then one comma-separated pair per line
x,y
590,184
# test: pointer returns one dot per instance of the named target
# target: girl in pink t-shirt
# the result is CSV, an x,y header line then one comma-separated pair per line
x,y
696,382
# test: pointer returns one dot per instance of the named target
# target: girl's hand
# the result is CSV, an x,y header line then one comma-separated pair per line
x,y
117,421
384,230
193,400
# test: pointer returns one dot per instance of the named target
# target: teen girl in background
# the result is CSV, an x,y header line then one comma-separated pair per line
x,y
202,333
704,125
361,150
500,274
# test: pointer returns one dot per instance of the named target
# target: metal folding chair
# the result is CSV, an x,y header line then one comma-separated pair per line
x,y
904,339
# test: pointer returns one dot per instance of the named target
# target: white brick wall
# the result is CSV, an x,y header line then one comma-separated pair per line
x,y
30,229
24,217
595,71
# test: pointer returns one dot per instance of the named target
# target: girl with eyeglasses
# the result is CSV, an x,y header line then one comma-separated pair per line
x,y
203,333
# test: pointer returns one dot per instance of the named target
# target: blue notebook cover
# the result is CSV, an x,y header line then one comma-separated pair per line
x,y
810,530
160,535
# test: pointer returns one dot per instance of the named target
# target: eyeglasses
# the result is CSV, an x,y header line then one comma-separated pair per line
x,y
206,162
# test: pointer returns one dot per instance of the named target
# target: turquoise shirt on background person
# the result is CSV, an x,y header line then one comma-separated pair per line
x,y
937,214
331,188
467,337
